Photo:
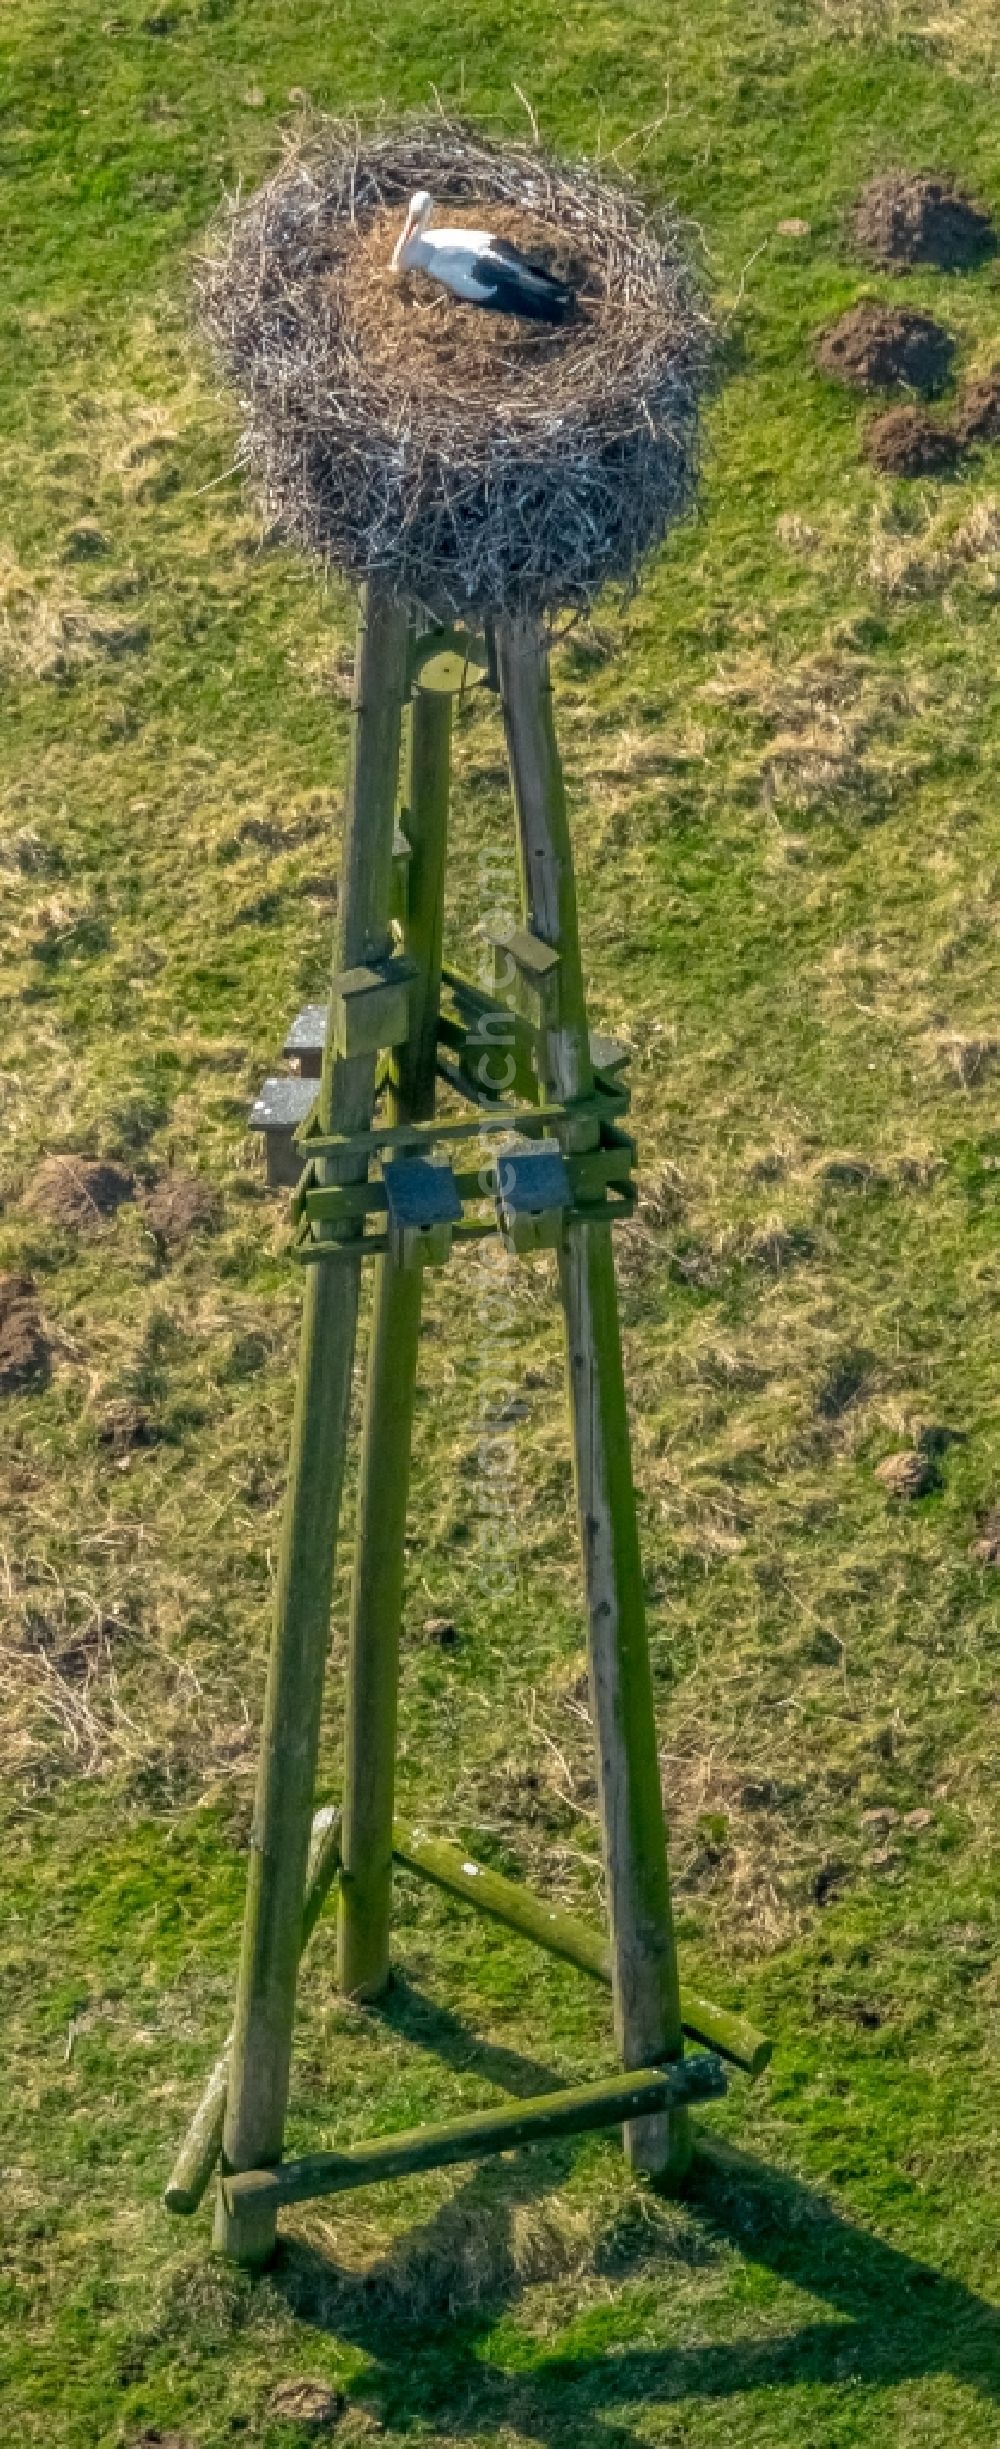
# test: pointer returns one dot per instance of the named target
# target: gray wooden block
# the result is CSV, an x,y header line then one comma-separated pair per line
x,y
533,1193
277,1113
306,1039
423,1203
608,1054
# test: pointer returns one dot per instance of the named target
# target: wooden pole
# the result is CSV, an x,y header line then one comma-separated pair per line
x,y
645,1985
202,2143
265,2007
425,823
562,1934
377,1593
579,2109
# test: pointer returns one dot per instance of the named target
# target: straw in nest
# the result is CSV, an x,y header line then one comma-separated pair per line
x,y
480,463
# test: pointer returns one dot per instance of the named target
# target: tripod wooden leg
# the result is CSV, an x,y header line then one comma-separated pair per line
x,y
373,1652
262,2038
643,1952
377,1593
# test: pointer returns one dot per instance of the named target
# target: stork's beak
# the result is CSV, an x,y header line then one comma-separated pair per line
x,y
402,241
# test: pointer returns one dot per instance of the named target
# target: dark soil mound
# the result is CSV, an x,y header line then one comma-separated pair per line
x,y
911,218
907,442
875,348
154,2438
24,1353
977,417
906,1475
125,1424
180,1204
310,2404
79,1192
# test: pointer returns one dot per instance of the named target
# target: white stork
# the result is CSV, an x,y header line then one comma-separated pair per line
x,y
479,269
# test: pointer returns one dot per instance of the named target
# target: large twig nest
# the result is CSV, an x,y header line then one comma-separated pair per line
x,y
479,462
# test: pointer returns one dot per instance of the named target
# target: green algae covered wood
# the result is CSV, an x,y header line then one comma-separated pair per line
x,y
202,2143
645,1985
562,1934
579,2109
377,1591
262,2040
558,1094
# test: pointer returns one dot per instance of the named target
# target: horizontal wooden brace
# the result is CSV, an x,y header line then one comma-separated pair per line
x,y
591,1173
562,1934
309,1253
306,1035
578,2110
409,1135
475,1004
326,1205
375,1245
477,1092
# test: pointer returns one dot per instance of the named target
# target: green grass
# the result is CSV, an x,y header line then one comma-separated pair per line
x,y
783,761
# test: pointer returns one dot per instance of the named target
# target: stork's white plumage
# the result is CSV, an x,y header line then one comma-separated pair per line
x,y
478,268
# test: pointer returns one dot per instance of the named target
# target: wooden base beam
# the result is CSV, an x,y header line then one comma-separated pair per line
x,y
720,2029
578,2110
503,1900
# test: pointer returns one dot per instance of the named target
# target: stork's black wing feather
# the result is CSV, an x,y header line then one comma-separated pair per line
x,y
526,263
517,286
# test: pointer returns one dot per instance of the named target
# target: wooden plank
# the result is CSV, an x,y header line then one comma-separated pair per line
x,y
579,2109
645,1984
265,2008
471,1228
426,819
590,1175
548,887
202,2143
377,1590
562,1934
396,1135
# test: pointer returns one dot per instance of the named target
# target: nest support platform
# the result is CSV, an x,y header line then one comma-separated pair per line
x,y
547,1103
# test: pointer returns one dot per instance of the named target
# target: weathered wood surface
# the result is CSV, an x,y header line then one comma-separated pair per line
x,y
545,2119
377,1589
721,2029
261,2053
645,1983
202,2143
426,825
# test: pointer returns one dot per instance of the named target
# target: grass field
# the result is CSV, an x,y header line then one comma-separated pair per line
x,y
784,760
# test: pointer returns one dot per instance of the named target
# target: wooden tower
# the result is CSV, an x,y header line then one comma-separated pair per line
x,y
383,1180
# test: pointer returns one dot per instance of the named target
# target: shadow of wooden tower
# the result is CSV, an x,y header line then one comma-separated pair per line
x,y
386,1180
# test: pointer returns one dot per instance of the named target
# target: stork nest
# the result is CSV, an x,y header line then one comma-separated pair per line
x,y
478,462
